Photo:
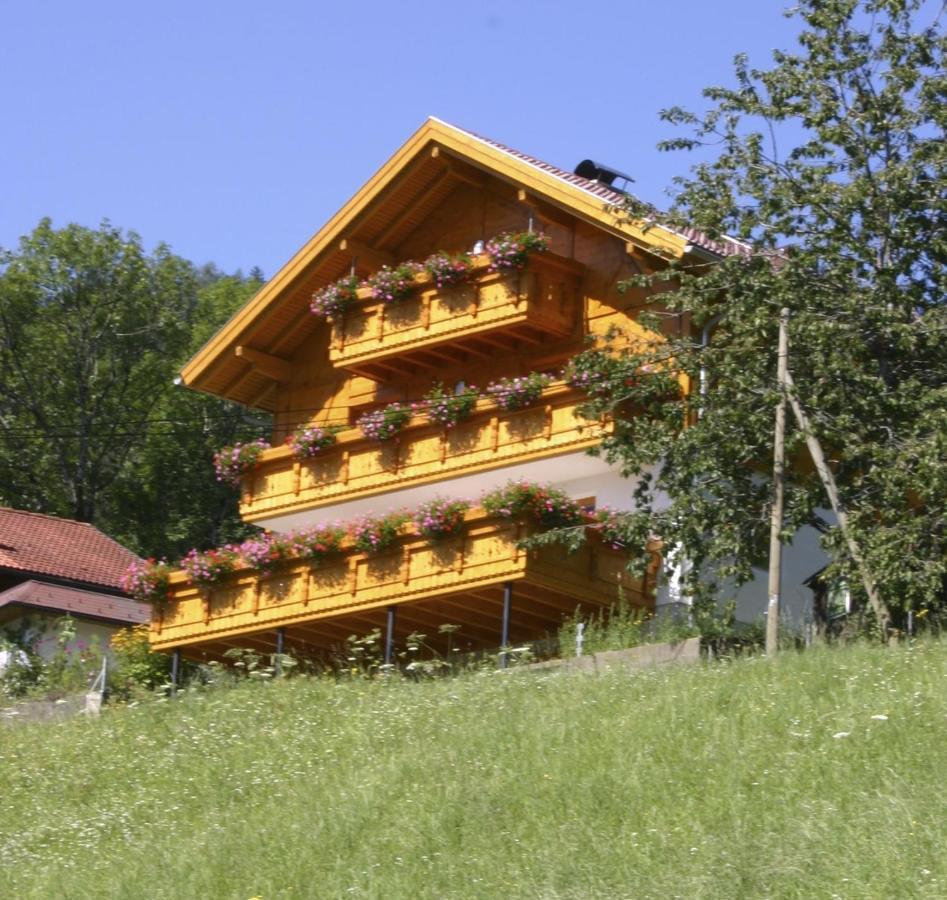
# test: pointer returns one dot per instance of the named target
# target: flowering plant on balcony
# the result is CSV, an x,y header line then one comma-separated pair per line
x,y
439,518
587,372
210,568
446,269
445,408
384,424
232,463
263,551
334,299
608,523
512,249
544,505
373,534
319,542
391,283
519,392
147,581
308,440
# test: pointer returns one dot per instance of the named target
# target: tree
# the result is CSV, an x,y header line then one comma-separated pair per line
x,y
90,327
848,230
93,331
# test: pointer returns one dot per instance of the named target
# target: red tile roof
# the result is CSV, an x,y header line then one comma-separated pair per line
x,y
77,602
727,246
44,545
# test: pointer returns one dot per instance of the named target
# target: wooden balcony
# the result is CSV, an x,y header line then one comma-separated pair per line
x,y
494,311
458,581
358,467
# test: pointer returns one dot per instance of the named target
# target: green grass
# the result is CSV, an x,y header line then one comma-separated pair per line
x,y
734,780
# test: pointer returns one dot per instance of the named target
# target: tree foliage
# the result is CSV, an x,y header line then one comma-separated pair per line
x,y
93,330
848,230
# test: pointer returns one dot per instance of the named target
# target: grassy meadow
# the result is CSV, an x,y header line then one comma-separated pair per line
x,y
818,776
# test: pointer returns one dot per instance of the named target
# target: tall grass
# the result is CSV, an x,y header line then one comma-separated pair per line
x,y
815,776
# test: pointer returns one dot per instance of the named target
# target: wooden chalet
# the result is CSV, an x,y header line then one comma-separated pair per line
x,y
444,189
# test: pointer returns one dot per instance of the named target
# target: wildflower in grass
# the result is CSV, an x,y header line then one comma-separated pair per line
x,y
384,424
519,392
512,249
391,283
333,300
263,551
308,440
446,269
374,534
232,463
439,518
319,542
447,409
212,567
147,580
545,506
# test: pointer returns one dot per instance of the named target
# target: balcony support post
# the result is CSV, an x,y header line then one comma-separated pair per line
x,y
390,636
278,659
505,625
175,669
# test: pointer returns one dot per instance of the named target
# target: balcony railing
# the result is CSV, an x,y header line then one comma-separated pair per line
x,y
434,326
357,466
455,571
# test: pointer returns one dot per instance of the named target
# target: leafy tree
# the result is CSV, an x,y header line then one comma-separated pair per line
x,y
848,230
93,331
90,327
171,483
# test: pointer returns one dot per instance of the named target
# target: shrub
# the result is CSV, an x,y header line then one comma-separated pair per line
x,y
232,463
439,518
333,300
318,543
375,534
308,440
384,424
391,283
135,664
147,581
546,506
210,568
518,392
512,249
446,269
443,408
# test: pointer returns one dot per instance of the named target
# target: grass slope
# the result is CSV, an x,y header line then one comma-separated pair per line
x,y
739,780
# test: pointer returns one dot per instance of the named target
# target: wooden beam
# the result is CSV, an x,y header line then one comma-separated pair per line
x,y
274,367
417,203
544,211
370,256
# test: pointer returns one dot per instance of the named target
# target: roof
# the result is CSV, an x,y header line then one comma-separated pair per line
x,y
409,186
45,545
76,601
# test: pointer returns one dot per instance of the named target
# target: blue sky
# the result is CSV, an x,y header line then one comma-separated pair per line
x,y
232,131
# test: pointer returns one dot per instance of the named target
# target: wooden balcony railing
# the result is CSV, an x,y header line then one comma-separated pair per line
x,y
433,327
357,467
415,570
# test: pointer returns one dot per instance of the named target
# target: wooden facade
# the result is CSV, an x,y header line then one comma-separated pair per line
x,y
445,190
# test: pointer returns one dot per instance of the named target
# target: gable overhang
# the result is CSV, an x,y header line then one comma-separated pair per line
x,y
249,356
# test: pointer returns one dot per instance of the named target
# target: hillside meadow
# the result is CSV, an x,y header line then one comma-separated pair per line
x,y
817,776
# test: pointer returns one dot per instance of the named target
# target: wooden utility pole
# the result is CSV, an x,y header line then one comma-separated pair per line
x,y
779,473
879,607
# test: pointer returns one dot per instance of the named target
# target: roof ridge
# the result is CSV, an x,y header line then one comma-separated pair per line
x,y
39,515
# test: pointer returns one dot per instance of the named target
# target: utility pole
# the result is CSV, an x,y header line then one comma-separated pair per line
x,y
779,475
879,607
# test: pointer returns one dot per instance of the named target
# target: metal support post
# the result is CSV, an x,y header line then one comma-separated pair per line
x,y
175,669
390,636
505,627
278,660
